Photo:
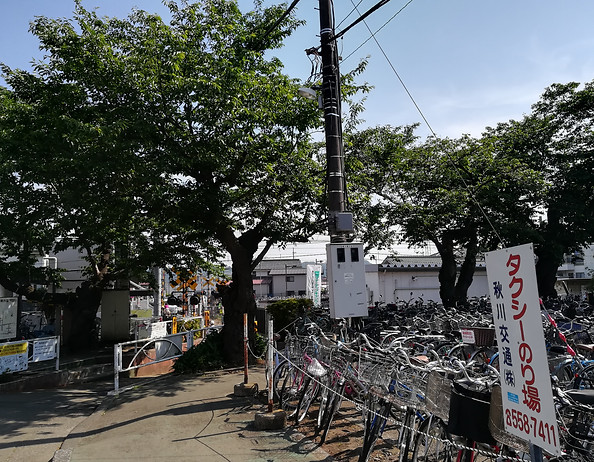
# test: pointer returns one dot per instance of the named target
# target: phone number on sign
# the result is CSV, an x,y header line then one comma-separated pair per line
x,y
531,425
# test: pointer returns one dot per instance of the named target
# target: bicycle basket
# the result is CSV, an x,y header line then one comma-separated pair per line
x,y
483,336
469,413
437,397
316,369
409,386
497,427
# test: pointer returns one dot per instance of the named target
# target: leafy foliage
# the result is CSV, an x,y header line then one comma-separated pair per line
x,y
285,312
162,143
205,356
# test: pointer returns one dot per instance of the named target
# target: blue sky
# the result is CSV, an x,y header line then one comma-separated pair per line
x,y
468,64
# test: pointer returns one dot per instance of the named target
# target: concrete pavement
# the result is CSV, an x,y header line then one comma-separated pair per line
x,y
181,418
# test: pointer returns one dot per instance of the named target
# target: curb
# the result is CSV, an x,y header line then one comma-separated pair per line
x,y
57,379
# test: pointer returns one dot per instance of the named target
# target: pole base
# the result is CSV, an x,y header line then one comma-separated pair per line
x,y
245,389
275,420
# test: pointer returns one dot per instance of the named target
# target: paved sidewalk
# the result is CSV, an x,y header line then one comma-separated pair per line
x,y
181,418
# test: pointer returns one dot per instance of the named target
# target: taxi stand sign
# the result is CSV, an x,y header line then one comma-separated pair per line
x,y
528,407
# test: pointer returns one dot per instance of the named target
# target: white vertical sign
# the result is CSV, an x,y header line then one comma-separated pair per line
x,y
314,284
527,396
8,318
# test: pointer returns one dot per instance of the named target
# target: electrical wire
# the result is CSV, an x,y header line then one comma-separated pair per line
x,y
348,15
361,18
456,169
281,19
384,25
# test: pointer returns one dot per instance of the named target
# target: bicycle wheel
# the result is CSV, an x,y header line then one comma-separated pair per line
x,y
431,443
377,411
311,388
584,379
331,407
280,371
290,393
405,439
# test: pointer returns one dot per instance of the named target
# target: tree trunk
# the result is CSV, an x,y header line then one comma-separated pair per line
x,y
447,272
81,310
237,300
466,271
546,273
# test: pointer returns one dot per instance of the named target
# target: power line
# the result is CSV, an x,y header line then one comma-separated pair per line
x,y
362,17
281,19
474,199
373,33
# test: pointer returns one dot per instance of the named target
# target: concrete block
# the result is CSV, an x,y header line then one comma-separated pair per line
x,y
275,420
245,389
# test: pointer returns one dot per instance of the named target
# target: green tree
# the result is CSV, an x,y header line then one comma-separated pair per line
x,y
455,193
167,140
556,139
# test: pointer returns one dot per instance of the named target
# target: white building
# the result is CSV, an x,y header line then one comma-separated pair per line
x,y
414,277
574,276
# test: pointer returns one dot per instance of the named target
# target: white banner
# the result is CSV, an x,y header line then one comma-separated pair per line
x,y
14,356
158,329
45,349
314,284
529,412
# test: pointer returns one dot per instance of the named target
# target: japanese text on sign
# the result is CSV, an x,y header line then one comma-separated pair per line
x,y
525,381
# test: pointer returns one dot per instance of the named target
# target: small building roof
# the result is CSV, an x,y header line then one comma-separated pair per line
x,y
288,271
418,261
277,264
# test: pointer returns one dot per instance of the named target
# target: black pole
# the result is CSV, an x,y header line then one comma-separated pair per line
x,y
332,119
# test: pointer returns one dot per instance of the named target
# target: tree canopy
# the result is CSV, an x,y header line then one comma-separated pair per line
x,y
173,142
455,193
557,140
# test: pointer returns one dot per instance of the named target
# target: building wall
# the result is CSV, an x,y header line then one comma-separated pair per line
x,y
414,284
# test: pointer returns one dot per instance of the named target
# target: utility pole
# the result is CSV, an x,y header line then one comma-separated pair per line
x,y
332,121
345,262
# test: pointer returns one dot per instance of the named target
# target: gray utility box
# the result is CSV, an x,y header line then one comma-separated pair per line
x,y
346,280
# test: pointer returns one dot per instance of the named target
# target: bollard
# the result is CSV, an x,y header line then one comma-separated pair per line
x,y
245,348
270,359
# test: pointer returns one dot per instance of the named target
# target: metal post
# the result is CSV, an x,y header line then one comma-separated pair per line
x,y
58,353
332,119
245,348
116,368
270,358
535,453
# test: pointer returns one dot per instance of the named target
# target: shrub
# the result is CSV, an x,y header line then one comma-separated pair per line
x,y
205,356
285,312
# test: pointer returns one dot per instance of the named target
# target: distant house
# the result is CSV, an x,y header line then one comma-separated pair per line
x,y
574,276
279,278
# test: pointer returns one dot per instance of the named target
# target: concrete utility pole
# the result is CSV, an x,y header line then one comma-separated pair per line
x,y
345,262
332,121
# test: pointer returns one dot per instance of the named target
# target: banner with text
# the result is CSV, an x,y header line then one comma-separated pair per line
x,y
529,412
314,284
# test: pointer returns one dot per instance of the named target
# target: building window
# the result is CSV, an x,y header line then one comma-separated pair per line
x,y
290,278
570,275
290,293
580,275
301,292
354,254
340,255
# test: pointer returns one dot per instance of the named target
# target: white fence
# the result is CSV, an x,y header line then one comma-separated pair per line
x,y
153,350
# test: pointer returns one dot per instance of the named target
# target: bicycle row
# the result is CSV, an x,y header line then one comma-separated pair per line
x,y
442,396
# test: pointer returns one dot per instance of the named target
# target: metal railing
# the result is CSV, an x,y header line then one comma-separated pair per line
x,y
146,352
